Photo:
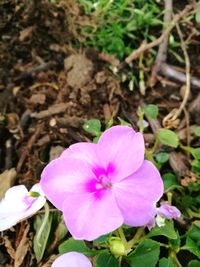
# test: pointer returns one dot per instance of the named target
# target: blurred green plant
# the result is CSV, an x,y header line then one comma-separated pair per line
x,y
119,26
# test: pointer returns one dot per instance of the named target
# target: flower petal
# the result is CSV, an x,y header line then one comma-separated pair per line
x,y
37,188
122,147
72,259
88,216
13,200
17,205
168,211
64,175
87,152
9,221
137,195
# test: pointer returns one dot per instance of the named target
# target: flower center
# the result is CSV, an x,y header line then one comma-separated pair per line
x,y
104,181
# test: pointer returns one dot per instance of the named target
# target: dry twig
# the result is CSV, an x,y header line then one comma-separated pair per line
x,y
170,72
35,70
174,114
162,51
146,46
28,147
52,110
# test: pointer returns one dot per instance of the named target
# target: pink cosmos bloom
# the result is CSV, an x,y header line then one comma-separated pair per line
x,y
18,205
101,186
72,259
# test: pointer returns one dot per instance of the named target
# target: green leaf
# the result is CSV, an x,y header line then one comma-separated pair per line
x,y
105,259
96,139
145,254
197,16
93,127
102,239
195,187
168,137
109,123
41,235
162,157
196,166
194,263
175,243
197,130
75,245
193,240
170,181
196,153
61,229
164,262
151,111
123,122
166,230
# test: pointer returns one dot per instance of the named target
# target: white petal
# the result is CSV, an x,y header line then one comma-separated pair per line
x,y
17,205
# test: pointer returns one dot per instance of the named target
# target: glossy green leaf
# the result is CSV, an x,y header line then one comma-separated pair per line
x,y
196,166
151,111
164,262
170,181
145,254
196,153
162,157
75,245
194,263
166,230
193,240
93,127
175,243
168,137
105,259
102,239
41,235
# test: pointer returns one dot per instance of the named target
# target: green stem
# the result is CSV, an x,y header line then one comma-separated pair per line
x,y
193,213
155,147
164,245
176,261
141,118
187,149
169,197
122,236
149,156
136,238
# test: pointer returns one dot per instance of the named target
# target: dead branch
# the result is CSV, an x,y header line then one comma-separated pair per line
x,y
35,70
52,110
162,50
146,46
174,114
171,72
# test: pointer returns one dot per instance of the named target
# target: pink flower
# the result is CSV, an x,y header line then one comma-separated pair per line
x,y
18,204
72,259
101,186
165,211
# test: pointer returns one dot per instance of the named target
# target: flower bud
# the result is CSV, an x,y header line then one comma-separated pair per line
x,y
33,194
117,247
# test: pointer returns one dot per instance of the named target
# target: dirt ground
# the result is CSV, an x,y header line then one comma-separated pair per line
x,y
48,89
